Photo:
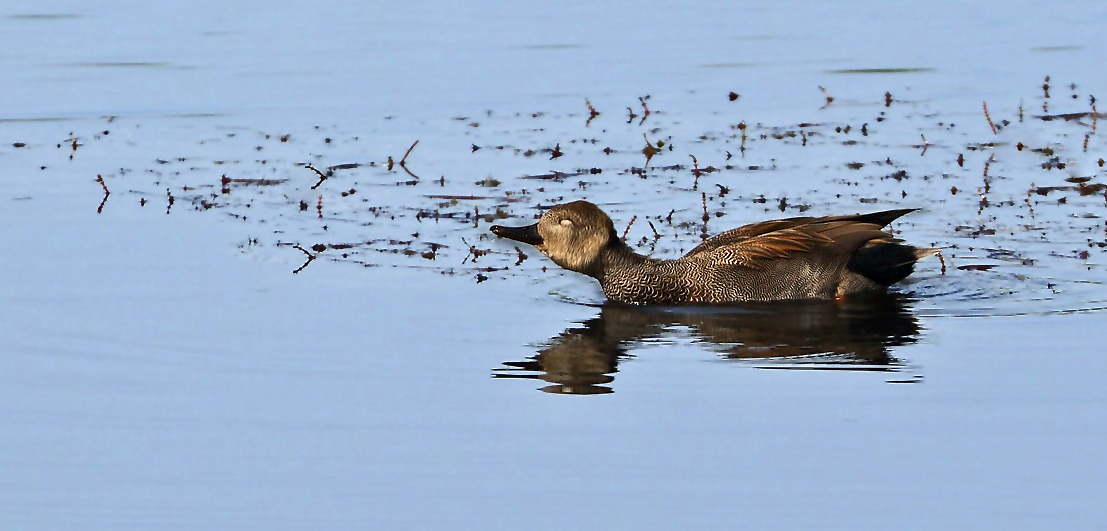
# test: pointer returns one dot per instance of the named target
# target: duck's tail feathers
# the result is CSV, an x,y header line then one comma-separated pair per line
x,y
923,252
886,262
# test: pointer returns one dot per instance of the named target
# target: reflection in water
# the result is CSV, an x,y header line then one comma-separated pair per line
x,y
852,335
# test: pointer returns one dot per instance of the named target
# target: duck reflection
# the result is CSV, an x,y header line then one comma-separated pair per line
x,y
851,335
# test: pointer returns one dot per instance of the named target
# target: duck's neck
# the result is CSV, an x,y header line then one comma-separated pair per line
x,y
618,256
627,276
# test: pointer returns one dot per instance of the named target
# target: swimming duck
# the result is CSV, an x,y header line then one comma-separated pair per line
x,y
795,258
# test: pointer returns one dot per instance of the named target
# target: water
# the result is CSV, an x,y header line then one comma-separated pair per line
x,y
162,365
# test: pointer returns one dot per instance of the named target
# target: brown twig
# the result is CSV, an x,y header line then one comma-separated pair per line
x,y
403,161
649,151
1045,102
829,98
695,171
310,257
705,216
474,252
645,109
742,128
100,179
322,176
629,225
73,143
592,112
408,152
989,117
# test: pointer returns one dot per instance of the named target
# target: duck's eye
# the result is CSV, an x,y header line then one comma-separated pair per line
x,y
566,222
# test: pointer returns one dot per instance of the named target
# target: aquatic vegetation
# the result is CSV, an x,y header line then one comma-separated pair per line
x,y
1025,181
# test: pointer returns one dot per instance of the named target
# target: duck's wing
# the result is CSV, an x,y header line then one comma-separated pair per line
x,y
835,237
805,225
745,232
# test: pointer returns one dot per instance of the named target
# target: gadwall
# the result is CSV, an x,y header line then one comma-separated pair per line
x,y
795,258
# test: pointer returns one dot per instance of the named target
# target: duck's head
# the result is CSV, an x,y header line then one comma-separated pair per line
x,y
572,235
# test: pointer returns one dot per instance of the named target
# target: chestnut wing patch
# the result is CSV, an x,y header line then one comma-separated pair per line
x,y
833,238
867,222
741,234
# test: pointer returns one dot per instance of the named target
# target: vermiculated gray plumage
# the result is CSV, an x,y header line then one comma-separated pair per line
x,y
794,258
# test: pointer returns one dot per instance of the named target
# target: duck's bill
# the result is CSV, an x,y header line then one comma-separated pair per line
x,y
528,234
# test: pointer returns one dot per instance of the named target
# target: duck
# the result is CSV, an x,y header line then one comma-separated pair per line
x,y
830,257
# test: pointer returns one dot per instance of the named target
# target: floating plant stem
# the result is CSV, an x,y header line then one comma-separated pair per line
x,y
649,151
829,98
403,161
629,225
310,257
695,171
989,117
592,112
705,216
322,176
100,179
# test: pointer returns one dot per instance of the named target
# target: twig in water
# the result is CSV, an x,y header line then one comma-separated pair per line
x,y
703,235
403,161
989,117
649,151
924,145
322,176
310,257
100,179
1045,102
627,230
592,112
829,98
474,252
696,172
